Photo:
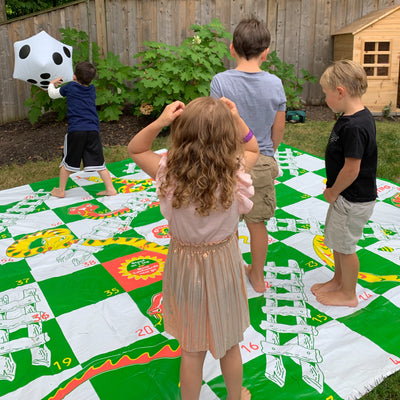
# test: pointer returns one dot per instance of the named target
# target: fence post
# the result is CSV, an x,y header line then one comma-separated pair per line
x,y
3,14
101,26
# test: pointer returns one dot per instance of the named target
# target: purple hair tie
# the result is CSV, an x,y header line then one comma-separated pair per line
x,y
248,137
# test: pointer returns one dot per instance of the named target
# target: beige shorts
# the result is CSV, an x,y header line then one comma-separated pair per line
x,y
263,175
344,224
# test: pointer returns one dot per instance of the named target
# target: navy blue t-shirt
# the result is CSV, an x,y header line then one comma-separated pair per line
x,y
81,107
354,136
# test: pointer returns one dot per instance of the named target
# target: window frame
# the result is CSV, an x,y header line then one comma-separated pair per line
x,y
376,53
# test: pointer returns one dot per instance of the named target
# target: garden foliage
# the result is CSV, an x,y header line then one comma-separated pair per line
x,y
292,84
162,74
166,73
19,8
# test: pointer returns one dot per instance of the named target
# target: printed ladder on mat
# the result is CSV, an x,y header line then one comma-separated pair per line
x,y
81,295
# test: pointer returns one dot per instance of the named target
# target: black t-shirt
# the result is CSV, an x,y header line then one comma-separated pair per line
x,y
354,136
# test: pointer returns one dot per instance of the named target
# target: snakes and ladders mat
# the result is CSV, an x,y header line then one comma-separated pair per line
x,y
81,312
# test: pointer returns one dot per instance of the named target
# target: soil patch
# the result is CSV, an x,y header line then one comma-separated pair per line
x,y
22,142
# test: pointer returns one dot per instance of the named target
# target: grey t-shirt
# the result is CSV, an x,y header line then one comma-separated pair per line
x,y
258,96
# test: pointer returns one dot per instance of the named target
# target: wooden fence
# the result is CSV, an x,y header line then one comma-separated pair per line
x,y
300,29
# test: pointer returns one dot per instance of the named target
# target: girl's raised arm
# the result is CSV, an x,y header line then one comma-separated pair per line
x,y
139,148
250,145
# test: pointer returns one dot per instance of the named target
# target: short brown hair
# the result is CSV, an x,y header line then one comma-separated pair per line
x,y
250,38
85,72
347,73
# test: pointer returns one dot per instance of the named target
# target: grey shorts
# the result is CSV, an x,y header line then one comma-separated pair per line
x,y
263,175
344,224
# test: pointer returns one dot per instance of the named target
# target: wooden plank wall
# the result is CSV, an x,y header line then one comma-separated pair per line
x,y
300,29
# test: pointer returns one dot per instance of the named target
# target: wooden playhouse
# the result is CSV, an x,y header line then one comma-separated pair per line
x,y
374,42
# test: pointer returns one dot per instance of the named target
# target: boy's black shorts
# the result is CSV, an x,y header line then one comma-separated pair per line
x,y
83,146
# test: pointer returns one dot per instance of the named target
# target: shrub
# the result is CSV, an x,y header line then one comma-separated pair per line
x,y
163,74
40,102
292,84
387,110
167,73
112,92
79,40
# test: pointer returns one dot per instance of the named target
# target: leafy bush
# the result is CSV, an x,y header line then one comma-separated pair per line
x,y
112,94
292,84
18,8
163,74
167,73
387,110
79,40
40,102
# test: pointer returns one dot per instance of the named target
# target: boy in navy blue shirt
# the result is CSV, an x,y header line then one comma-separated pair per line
x,y
82,141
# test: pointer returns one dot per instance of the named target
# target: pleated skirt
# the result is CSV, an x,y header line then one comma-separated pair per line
x,y
205,303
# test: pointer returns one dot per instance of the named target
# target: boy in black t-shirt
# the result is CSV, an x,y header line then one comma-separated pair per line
x,y
350,161
82,141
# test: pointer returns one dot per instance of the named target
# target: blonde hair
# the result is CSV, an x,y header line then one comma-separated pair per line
x,y
203,157
346,73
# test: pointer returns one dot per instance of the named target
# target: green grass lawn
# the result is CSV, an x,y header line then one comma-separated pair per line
x,y
311,137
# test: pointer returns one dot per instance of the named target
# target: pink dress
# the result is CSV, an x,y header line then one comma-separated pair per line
x,y
204,293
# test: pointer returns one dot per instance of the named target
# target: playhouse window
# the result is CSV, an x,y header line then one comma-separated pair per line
x,y
376,59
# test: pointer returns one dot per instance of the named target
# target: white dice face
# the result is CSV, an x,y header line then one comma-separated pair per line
x,y
41,58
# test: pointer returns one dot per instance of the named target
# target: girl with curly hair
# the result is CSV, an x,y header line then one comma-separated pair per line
x,y
203,189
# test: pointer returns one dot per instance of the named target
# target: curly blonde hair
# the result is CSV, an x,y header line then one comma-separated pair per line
x,y
204,155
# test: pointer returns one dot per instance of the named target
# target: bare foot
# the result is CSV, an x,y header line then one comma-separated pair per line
x,y
245,394
256,280
337,298
57,192
324,287
107,193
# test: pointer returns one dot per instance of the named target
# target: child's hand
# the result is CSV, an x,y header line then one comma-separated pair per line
x,y
57,82
232,107
330,195
171,112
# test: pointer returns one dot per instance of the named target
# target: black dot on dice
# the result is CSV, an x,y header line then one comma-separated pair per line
x,y
57,58
24,51
67,52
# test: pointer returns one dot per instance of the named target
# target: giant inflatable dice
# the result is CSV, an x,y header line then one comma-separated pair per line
x,y
41,58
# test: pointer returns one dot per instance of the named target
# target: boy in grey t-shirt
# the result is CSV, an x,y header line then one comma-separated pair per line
x,y
261,102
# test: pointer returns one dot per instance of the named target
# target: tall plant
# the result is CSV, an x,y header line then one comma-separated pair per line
x,y
166,73
112,92
292,84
